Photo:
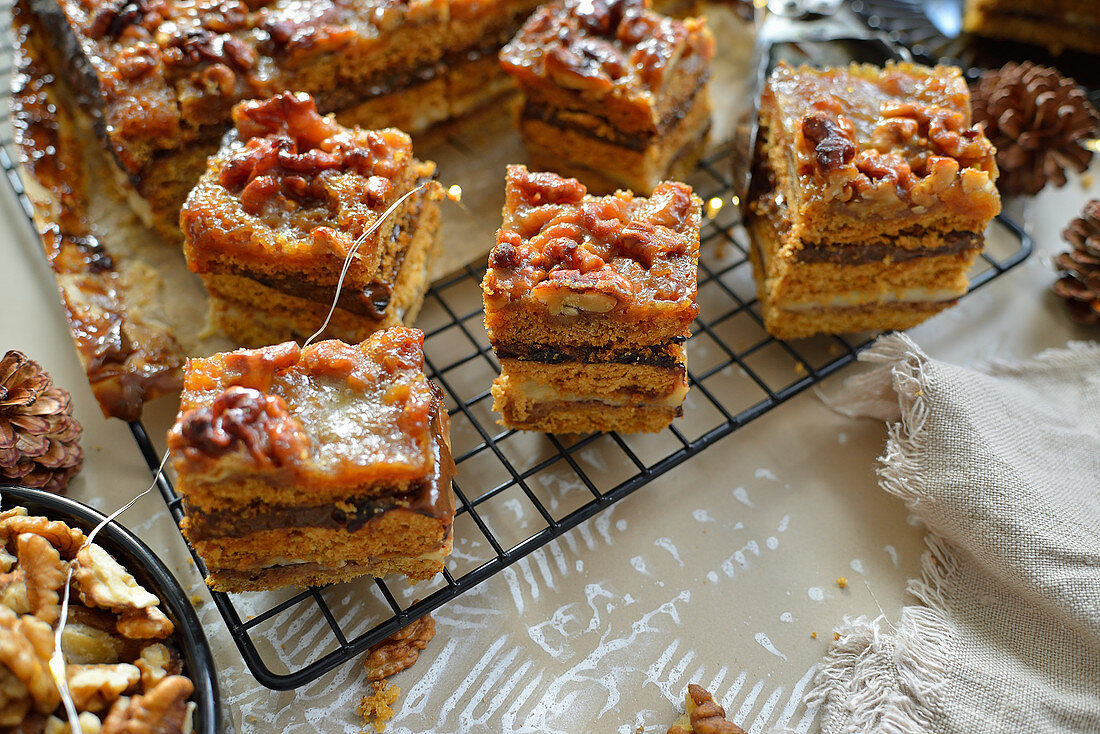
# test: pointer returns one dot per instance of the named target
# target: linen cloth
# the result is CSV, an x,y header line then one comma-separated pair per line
x,y
1002,464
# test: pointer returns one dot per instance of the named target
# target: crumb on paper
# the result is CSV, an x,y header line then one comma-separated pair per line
x,y
813,635
1086,181
836,637
376,708
842,582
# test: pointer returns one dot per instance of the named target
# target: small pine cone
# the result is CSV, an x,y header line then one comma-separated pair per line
x,y
1038,120
39,438
1080,267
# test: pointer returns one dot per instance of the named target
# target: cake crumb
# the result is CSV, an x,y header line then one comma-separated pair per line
x,y
375,708
836,637
1086,181
813,635
799,369
842,582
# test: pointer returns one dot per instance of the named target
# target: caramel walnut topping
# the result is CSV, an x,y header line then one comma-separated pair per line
x,y
596,46
243,418
288,150
593,254
900,136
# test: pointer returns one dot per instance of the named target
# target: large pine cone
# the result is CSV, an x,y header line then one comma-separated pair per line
x,y
1080,267
1037,119
38,434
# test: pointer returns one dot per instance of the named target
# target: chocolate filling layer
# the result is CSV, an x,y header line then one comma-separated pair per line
x,y
958,242
639,140
433,497
370,302
655,356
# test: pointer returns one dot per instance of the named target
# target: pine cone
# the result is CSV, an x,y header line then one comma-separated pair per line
x,y
1080,267
1037,119
39,438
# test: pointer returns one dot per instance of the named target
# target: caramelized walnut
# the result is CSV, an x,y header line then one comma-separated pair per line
x,y
200,45
114,17
243,418
832,140
596,46
288,147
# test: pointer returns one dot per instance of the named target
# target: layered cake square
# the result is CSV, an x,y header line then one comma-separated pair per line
x,y
871,192
288,197
1055,24
308,466
158,78
613,93
588,302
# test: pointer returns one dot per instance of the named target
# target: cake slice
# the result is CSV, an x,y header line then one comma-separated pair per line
x,y
309,466
158,78
588,301
285,201
614,93
871,192
1055,24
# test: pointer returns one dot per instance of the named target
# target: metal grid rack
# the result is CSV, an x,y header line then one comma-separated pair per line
x,y
518,491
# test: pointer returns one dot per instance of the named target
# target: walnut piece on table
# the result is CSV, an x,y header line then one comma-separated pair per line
x,y
400,650
703,715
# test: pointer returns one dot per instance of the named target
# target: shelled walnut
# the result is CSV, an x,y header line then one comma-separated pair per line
x,y
122,670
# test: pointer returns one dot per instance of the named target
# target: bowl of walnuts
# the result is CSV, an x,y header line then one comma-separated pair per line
x,y
135,656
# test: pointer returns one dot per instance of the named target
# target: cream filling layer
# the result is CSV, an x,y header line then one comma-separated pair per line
x,y
536,392
898,297
438,554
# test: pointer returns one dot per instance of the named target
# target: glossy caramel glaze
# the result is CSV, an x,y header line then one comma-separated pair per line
x,y
900,134
289,164
332,413
292,192
604,47
617,255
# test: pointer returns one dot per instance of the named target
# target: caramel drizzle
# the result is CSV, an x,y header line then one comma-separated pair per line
x,y
351,254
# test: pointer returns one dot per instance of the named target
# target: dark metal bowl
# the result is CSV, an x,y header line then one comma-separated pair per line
x,y
127,548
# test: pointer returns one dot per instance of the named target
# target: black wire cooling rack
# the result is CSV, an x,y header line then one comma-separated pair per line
x,y
517,491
